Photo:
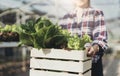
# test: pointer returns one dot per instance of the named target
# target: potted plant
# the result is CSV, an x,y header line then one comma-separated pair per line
x,y
49,56
8,36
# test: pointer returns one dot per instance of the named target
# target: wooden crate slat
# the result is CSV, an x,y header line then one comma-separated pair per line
x,y
70,66
59,54
48,73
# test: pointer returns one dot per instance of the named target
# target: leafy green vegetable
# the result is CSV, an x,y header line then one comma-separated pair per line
x,y
77,43
0,28
41,33
9,33
7,28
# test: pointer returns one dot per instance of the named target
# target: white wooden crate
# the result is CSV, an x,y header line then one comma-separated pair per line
x,y
59,62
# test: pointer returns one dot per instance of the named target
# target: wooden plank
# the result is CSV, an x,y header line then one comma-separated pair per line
x,y
59,54
60,65
48,73
8,44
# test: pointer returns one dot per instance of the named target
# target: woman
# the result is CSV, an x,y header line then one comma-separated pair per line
x,y
85,19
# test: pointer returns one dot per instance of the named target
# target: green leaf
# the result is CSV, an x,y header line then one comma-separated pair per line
x,y
7,28
55,41
28,27
25,39
39,38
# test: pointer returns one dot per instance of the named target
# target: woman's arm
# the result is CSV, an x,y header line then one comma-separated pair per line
x,y
99,30
99,34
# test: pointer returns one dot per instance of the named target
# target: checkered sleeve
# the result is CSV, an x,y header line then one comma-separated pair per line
x,y
99,30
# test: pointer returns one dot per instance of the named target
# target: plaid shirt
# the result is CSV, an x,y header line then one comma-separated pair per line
x,y
91,22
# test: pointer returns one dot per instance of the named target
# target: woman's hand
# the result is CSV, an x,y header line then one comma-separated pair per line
x,y
92,50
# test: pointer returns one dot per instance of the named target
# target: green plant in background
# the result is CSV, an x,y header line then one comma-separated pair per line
x,y
8,33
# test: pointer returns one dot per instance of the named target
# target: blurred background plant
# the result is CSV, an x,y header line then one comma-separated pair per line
x,y
8,33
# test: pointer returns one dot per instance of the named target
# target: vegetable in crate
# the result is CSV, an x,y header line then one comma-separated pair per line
x,y
77,43
41,33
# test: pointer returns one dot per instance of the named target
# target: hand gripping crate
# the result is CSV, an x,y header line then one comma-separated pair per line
x,y
59,62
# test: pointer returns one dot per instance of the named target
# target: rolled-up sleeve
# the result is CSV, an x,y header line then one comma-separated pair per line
x,y
99,31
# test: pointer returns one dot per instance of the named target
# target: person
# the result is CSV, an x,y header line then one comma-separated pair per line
x,y
86,19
